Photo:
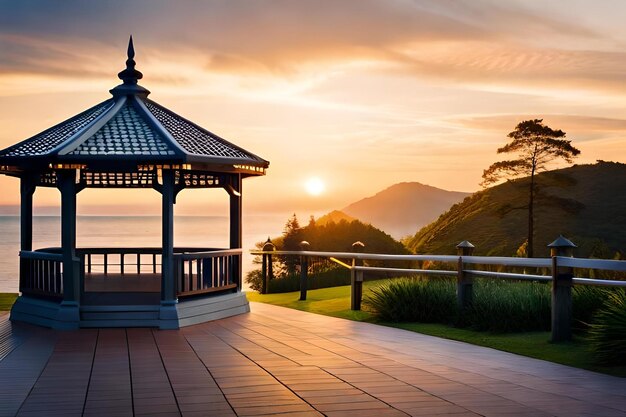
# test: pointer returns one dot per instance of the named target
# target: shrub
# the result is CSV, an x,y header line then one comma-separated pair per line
x,y
607,332
414,299
503,306
498,306
255,279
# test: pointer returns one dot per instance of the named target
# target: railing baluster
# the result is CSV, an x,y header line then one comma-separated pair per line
x,y
199,274
106,263
122,263
138,262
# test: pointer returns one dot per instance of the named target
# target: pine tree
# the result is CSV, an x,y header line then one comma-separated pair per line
x,y
536,145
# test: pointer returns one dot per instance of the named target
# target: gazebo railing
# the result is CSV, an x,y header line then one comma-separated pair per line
x,y
126,260
205,272
196,270
41,273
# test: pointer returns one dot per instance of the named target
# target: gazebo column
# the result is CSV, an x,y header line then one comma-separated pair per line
x,y
27,189
235,222
168,284
69,315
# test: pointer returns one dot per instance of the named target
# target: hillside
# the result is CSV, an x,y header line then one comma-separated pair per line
x,y
403,208
589,208
334,216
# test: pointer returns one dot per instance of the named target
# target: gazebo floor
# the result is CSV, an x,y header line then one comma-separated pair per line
x,y
275,361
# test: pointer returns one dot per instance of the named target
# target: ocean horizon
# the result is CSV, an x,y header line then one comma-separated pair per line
x,y
131,231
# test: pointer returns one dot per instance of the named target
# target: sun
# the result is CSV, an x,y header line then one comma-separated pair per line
x,y
314,186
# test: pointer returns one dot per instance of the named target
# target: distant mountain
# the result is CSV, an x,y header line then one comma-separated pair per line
x,y
334,216
585,203
403,208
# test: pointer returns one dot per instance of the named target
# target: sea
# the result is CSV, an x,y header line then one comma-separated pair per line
x,y
131,231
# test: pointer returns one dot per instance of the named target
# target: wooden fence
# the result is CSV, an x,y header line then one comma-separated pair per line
x,y
558,269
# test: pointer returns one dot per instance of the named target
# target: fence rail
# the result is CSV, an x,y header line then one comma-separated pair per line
x,y
559,270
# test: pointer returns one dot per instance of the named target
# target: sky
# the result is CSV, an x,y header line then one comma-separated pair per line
x,y
358,94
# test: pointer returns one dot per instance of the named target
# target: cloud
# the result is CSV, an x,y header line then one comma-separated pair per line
x,y
263,35
573,125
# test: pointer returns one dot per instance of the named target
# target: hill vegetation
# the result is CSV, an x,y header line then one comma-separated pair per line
x,y
585,203
327,235
334,216
403,208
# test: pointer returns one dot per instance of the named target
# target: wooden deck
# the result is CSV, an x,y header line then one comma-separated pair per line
x,y
275,361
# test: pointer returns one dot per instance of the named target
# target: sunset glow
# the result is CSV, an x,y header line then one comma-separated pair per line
x,y
315,186
400,91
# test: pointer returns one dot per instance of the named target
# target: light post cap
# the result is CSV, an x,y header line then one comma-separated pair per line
x,y
465,244
268,246
304,245
562,242
358,246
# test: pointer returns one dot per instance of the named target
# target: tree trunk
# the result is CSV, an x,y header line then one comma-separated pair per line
x,y
531,219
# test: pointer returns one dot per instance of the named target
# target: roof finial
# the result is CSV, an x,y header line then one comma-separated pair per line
x,y
131,48
130,75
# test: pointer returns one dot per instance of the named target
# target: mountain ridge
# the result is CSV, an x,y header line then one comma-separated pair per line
x,y
403,208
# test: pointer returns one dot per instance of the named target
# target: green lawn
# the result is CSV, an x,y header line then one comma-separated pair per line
x,y
6,300
336,302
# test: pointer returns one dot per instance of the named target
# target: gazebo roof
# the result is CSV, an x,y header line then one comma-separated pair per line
x,y
131,128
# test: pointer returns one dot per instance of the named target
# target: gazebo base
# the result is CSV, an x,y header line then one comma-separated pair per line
x,y
53,314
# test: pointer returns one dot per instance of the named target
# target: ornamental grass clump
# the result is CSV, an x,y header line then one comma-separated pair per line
x,y
586,302
502,306
607,332
414,299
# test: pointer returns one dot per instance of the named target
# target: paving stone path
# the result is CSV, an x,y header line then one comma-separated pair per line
x,y
280,362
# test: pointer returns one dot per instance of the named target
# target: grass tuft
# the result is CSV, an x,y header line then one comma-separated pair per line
x,y
7,300
607,332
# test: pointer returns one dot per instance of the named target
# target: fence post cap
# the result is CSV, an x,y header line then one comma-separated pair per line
x,y
562,242
268,246
358,246
464,244
304,245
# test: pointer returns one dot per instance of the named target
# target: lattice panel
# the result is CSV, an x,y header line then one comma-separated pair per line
x,y
192,179
125,134
192,138
48,179
118,179
49,139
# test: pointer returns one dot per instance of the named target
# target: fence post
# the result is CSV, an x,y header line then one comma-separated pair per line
x,y
266,269
561,290
464,283
304,269
356,278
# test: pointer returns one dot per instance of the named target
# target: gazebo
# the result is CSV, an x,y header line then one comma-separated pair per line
x,y
128,141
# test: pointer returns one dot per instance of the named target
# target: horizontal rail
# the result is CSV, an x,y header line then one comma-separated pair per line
x,y
147,250
208,254
508,261
508,275
361,256
604,264
337,261
599,282
44,256
404,270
